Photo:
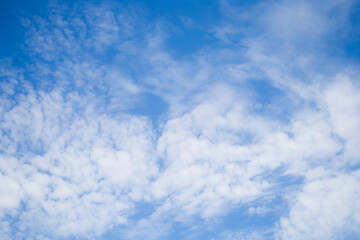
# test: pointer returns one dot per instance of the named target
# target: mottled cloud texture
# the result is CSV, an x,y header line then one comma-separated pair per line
x,y
108,133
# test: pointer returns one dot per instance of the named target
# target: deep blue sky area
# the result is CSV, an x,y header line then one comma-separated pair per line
x,y
199,120
184,39
12,30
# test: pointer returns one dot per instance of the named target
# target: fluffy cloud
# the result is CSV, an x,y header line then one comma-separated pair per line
x,y
220,153
327,208
343,102
73,172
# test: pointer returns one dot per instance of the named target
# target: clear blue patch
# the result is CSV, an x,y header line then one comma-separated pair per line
x,y
143,210
11,27
270,101
149,105
265,92
187,42
202,12
351,44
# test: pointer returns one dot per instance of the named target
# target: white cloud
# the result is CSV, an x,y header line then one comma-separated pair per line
x,y
261,210
218,154
326,208
76,173
206,158
343,102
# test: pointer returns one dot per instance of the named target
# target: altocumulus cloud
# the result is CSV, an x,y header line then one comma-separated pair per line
x,y
133,121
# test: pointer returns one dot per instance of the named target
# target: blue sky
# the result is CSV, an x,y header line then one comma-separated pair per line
x,y
180,119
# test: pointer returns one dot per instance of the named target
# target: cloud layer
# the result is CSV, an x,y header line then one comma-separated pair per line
x,y
263,116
